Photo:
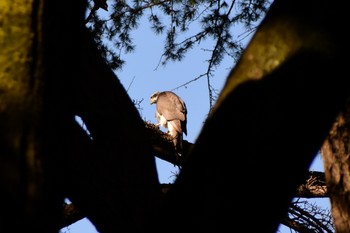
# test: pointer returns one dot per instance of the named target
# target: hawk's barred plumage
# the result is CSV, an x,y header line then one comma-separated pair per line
x,y
171,113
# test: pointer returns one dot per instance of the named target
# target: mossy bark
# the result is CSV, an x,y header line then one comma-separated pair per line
x,y
21,172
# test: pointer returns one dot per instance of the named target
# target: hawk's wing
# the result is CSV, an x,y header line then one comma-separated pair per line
x,y
171,106
175,128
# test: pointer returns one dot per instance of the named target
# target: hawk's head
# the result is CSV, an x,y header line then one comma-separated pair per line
x,y
154,97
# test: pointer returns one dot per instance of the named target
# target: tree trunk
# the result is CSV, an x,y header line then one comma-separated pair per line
x,y
111,178
273,108
276,109
26,198
335,152
50,72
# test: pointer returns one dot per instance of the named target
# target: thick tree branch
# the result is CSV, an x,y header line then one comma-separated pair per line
x,y
313,187
163,147
112,178
126,191
278,107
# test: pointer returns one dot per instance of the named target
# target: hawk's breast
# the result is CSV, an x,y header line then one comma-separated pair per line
x,y
162,120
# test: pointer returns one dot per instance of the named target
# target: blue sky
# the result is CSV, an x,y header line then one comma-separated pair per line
x,y
141,76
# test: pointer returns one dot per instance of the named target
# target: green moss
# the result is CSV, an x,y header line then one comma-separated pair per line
x,y
16,40
274,43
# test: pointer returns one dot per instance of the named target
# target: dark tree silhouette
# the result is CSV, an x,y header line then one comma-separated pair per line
x,y
271,118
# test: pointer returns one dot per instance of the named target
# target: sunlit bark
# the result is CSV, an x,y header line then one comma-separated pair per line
x,y
335,153
22,180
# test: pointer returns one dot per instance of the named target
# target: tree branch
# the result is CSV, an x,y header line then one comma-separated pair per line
x,y
314,186
163,147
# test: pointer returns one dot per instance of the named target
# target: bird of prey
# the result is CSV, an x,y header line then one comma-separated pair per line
x,y
171,113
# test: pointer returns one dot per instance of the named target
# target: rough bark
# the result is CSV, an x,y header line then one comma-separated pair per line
x,y
24,186
335,152
314,186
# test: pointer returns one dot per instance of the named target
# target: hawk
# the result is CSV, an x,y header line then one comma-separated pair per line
x,y
171,113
